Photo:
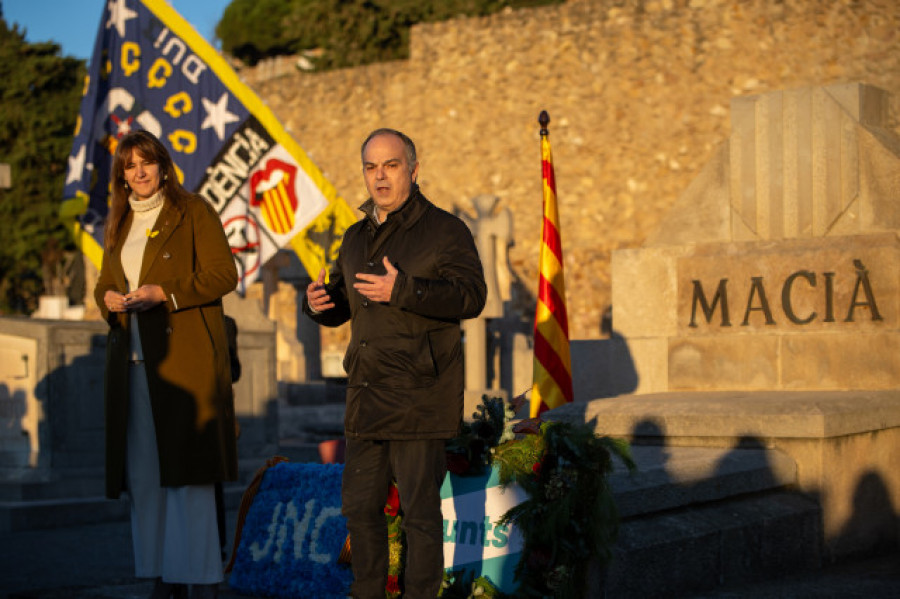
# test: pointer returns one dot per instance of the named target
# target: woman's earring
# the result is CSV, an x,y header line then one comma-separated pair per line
x,y
126,184
166,177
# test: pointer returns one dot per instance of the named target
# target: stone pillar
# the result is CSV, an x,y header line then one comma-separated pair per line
x,y
256,392
493,236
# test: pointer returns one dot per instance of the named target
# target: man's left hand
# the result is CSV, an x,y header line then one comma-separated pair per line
x,y
377,288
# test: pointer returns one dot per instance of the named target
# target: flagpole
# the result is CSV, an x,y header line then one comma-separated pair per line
x,y
544,120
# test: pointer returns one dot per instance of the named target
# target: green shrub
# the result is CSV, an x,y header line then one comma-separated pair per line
x,y
339,33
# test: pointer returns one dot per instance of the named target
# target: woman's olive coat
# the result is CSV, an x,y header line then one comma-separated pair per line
x,y
184,345
405,359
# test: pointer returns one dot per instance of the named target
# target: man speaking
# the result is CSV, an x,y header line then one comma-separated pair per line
x,y
405,276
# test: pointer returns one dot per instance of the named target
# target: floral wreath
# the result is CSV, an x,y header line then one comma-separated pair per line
x,y
569,517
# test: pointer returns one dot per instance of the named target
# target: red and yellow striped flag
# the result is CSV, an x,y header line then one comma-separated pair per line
x,y
552,386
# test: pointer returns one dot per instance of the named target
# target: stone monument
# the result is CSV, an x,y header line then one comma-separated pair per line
x,y
765,312
777,268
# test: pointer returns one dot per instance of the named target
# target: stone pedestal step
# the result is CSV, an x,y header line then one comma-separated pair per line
x,y
666,479
34,507
74,484
673,477
300,450
683,551
56,513
312,393
63,512
311,423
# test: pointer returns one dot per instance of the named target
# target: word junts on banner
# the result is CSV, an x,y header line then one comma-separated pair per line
x,y
479,534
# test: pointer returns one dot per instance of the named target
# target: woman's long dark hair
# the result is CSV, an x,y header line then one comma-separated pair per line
x,y
149,148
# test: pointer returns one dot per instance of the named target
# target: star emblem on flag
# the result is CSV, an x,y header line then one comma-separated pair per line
x,y
218,116
76,166
119,15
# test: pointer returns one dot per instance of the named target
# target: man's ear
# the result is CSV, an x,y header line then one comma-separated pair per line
x,y
415,172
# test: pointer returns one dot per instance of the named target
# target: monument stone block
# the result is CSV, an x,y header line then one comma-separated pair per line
x,y
740,362
648,274
652,353
809,185
847,284
862,361
773,291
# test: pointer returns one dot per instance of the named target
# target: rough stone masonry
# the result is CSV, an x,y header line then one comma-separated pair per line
x,y
639,98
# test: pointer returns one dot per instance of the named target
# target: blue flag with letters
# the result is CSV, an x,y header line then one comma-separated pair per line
x,y
151,70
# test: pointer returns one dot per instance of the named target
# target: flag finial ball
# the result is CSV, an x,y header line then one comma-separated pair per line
x,y
544,120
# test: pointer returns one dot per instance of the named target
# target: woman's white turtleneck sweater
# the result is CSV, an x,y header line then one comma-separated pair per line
x,y
142,226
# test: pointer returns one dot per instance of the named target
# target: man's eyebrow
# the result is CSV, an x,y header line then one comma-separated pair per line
x,y
367,162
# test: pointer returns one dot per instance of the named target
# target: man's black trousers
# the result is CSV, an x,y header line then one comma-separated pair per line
x,y
419,468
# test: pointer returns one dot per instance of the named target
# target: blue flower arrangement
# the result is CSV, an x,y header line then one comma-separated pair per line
x,y
293,534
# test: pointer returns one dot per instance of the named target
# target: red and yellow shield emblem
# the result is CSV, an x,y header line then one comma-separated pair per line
x,y
272,191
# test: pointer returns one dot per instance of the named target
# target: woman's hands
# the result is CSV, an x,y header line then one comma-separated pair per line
x,y
141,299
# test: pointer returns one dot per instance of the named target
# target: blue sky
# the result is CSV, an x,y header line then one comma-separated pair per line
x,y
73,24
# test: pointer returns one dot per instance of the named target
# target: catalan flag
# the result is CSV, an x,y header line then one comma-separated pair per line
x,y
552,386
151,70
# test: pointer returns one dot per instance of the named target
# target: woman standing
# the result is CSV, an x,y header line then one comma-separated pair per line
x,y
170,428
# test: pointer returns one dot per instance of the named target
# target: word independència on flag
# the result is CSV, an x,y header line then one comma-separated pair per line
x,y
151,70
552,382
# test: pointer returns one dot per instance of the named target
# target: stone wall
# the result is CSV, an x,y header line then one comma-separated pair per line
x,y
638,94
51,396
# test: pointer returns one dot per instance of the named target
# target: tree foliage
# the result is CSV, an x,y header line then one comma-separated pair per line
x,y
339,33
39,100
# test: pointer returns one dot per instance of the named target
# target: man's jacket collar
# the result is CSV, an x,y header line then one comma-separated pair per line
x,y
405,216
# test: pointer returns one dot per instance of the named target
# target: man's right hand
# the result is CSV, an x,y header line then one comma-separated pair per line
x,y
316,296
